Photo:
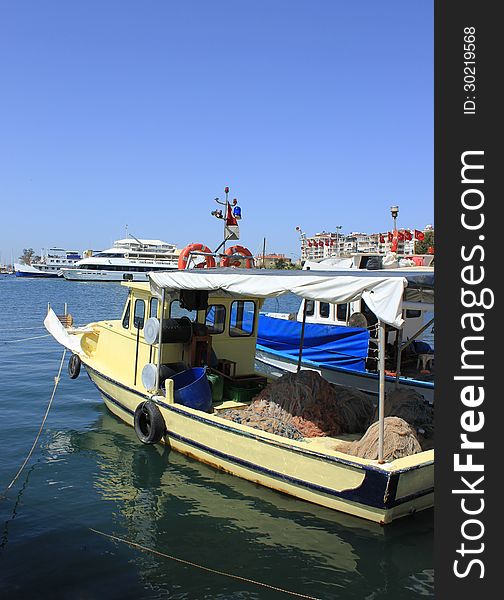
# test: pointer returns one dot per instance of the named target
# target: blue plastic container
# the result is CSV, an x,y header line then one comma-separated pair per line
x,y
191,388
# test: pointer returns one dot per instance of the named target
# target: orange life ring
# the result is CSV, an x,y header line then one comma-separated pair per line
x,y
184,256
245,252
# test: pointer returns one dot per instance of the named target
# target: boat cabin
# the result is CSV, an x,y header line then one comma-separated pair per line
x,y
199,329
358,314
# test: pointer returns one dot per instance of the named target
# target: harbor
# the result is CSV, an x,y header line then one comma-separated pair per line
x,y
195,391
150,496
217,302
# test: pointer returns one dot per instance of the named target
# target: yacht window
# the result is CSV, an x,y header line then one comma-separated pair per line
x,y
341,312
241,322
126,318
177,311
413,314
153,307
310,308
138,320
324,309
215,318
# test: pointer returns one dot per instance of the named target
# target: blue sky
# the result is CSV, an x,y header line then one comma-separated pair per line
x,y
315,112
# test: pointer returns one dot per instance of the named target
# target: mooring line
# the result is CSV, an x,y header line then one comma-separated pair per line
x,y
203,568
56,381
21,328
35,337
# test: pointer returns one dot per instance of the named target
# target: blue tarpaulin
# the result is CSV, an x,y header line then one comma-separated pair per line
x,y
328,345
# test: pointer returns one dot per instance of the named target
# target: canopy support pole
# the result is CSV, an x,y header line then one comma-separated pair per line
x,y
160,337
301,341
381,397
399,356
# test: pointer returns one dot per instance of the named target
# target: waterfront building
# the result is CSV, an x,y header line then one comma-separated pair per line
x,y
326,244
272,261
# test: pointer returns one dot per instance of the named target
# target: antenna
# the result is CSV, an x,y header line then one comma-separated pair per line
x,y
136,239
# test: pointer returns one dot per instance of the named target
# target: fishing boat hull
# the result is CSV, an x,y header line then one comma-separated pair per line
x,y
303,469
278,364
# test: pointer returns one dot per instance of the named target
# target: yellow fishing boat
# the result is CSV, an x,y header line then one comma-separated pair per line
x,y
151,369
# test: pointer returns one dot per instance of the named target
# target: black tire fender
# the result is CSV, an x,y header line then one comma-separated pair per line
x,y
149,423
74,366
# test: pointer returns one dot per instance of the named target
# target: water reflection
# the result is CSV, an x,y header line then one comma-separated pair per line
x,y
173,504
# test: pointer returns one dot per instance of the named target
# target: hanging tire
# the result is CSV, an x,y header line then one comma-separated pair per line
x,y
149,423
74,366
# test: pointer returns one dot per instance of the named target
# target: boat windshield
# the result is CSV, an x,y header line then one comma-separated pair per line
x,y
176,311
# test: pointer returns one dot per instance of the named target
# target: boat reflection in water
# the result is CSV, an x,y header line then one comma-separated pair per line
x,y
179,506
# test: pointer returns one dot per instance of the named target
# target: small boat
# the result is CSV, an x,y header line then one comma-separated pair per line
x,y
129,259
336,334
346,354
152,368
50,265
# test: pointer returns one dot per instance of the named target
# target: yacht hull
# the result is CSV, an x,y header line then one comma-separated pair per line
x,y
104,275
31,271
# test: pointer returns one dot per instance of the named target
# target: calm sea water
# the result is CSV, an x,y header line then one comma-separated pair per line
x,y
90,472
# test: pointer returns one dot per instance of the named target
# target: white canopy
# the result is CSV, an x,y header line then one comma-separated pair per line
x,y
382,294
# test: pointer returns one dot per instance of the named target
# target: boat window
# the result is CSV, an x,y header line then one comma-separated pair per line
x,y
138,320
413,314
310,308
177,311
126,318
215,318
341,312
241,322
324,309
153,307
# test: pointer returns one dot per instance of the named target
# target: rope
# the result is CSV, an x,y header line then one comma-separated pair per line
x,y
19,328
215,571
35,337
56,381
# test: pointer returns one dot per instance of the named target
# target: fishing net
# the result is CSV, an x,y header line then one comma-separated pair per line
x,y
271,419
308,403
305,405
411,406
399,441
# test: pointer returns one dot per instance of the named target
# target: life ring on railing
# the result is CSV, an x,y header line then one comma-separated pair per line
x,y
245,252
184,256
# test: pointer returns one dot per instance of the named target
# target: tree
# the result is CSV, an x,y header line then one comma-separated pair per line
x,y
423,246
27,256
281,263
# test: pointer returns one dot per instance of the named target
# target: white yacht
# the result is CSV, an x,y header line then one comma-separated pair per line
x,y
50,265
129,259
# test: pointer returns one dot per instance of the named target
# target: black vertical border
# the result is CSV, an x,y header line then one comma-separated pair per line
x,y
456,133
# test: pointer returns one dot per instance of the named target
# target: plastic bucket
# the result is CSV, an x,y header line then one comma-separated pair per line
x,y
191,388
